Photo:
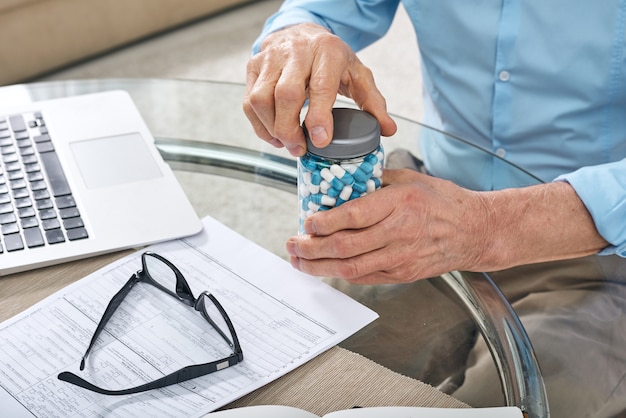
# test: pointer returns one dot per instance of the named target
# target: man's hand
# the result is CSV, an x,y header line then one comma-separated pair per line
x,y
300,62
419,226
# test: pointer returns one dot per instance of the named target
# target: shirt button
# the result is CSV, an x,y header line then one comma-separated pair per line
x,y
504,75
500,152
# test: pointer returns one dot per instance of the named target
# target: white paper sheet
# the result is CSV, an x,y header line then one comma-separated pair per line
x,y
283,318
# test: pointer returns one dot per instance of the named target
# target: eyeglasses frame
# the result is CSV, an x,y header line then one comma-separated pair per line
x,y
183,294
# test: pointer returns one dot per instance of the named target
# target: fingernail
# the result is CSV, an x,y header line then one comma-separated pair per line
x,y
291,247
296,151
295,262
276,142
318,135
309,227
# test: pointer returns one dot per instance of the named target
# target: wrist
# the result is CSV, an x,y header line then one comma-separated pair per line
x,y
535,224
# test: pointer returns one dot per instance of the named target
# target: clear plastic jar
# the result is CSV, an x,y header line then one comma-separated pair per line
x,y
350,166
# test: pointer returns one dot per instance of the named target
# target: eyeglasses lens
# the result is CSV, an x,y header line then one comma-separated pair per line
x,y
214,315
161,273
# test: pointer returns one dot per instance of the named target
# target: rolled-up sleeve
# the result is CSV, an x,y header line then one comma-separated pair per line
x,y
358,22
602,189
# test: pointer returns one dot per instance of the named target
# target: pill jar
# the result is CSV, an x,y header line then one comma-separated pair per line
x,y
349,167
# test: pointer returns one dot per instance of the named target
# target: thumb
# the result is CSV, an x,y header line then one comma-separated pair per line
x,y
319,117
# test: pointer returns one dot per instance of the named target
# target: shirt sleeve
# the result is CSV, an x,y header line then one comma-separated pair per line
x,y
602,189
358,22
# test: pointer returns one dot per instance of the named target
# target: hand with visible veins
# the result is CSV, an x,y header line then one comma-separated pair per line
x,y
418,226
303,62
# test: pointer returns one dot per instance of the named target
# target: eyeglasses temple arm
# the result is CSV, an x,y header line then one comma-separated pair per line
x,y
182,375
114,303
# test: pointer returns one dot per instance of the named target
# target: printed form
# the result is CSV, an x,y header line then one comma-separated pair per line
x,y
283,318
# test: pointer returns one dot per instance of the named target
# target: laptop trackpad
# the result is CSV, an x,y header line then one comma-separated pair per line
x,y
114,160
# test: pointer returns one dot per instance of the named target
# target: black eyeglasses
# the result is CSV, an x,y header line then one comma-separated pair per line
x,y
162,274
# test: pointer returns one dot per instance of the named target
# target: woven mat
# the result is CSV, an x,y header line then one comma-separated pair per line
x,y
340,379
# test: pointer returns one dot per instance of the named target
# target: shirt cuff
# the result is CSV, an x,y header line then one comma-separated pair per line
x,y
602,190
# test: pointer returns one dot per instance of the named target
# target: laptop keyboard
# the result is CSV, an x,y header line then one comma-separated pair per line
x,y
36,204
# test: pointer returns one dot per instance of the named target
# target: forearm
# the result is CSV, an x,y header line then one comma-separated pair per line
x,y
539,223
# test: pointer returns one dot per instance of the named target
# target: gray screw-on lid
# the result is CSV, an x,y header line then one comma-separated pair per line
x,y
355,133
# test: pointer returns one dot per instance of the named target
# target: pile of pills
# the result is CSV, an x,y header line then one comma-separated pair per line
x,y
325,183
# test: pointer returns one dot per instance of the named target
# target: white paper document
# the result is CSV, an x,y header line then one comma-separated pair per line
x,y
283,318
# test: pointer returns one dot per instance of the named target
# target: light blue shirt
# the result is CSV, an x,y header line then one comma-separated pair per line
x,y
540,83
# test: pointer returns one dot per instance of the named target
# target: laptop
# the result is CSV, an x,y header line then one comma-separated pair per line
x,y
81,176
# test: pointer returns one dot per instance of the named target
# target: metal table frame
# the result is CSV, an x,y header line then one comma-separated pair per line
x,y
510,346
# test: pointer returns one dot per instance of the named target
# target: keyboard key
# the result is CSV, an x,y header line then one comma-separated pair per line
x,y
29,222
65,202
41,138
17,123
77,233
34,176
26,212
33,237
72,223
43,204
43,147
7,218
47,214
26,151
11,228
31,168
52,166
41,194
69,213
38,185
51,224
16,175
30,159
18,184
20,193
9,149
22,143
55,236
12,166
13,242
21,135
23,202
6,208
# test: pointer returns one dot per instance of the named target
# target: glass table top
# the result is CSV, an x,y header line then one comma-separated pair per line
x,y
228,173
430,330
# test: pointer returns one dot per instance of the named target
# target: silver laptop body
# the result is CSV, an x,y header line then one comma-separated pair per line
x,y
92,181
